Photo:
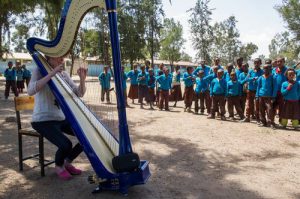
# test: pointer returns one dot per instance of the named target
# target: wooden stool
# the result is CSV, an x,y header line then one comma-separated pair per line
x,y
21,104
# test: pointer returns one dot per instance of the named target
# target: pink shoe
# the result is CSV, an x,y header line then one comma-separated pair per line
x,y
72,170
64,174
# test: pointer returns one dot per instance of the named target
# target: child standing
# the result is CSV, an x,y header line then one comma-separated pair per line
x,y
233,97
104,79
10,76
291,94
244,85
165,82
124,85
159,72
266,92
26,75
143,86
151,88
20,80
176,94
202,94
189,80
217,93
252,108
134,88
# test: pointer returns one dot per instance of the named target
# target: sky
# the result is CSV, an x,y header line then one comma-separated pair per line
x,y
258,21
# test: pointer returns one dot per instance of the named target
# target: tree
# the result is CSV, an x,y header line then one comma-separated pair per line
x,y
247,50
201,29
171,41
283,45
185,57
153,16
132,31
8,10
20,37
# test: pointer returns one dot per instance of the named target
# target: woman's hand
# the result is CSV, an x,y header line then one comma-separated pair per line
x,y
82,72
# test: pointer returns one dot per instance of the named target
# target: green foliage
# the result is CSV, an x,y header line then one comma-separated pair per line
x,y
171,41
185,57
283,45
201,29
20,37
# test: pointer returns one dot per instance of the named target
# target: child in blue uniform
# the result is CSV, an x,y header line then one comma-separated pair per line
x,y
291,94
176,94
143,85
20,80
252,108
229,69
165,82
26,75
202,94
244,85
104,79
10,76
189,80
266,92
151,88
134,88
218,89
233,97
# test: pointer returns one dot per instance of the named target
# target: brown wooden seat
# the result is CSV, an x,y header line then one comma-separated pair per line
x,y
24,103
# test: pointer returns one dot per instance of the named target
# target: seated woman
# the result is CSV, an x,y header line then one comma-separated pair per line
x,y
49,120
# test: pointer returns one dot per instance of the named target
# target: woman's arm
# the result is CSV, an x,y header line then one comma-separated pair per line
x,y
37,84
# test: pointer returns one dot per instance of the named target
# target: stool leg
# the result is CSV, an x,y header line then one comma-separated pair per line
x,y
20,152
41,151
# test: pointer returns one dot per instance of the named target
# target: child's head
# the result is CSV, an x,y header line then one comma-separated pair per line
x,y
177,68
190,69
239,61
267,69
143,68
147,63
106,69
215,69
122,68
233,76
161,66
151,73
280,62
229,67
166,71
220,73
23,66
135,67
202,62
217,61
257,63
18,64
268,61
10,64
245,67
201,73
290,74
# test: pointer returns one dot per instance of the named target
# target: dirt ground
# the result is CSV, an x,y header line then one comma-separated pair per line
x,y
190,157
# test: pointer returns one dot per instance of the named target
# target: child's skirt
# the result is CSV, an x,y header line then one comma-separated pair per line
x,y
133,92
176,94
20,84
151,95
291,110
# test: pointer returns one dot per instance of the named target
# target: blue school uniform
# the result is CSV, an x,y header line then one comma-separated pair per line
x,y
19,74
133,75
26,73
165,82
293,94
151,81
210,77
266,87
143,81
206,70
105,80
298,75
201,85
218,87
280,77
233,88
124,78
187,81
10,74
238,71
253,78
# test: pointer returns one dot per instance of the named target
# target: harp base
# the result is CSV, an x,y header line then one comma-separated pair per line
x,y
123,181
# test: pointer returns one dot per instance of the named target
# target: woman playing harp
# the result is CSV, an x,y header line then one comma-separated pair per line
x,y
49,120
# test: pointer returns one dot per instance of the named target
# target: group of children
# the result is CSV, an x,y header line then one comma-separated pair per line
x,y
257,94
16,77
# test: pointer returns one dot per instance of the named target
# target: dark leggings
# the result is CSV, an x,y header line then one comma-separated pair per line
x,y
53,131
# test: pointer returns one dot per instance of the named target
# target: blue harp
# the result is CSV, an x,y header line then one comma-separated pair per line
x,y
100,146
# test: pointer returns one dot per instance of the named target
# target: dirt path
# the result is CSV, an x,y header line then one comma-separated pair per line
x,y
191,157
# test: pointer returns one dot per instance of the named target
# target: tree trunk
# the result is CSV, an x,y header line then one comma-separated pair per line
x,y
1,49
